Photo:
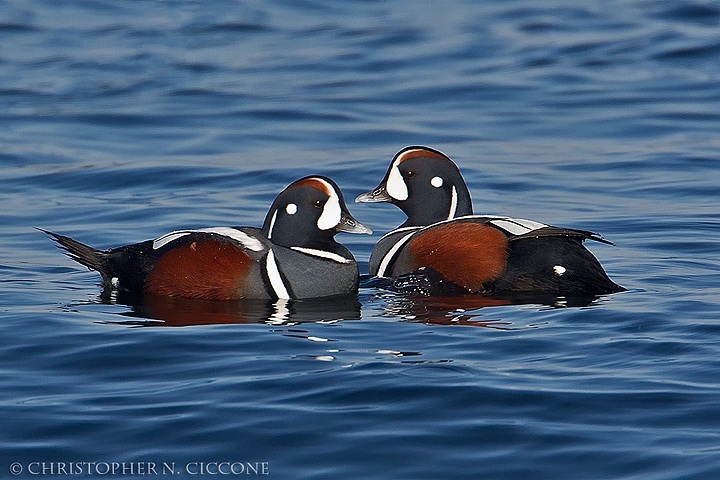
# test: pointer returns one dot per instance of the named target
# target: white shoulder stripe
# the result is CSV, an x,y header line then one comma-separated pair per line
x,y
251,243
276,281
323,254
391,253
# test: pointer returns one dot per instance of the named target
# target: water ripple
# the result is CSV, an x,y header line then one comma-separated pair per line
x,y
121,123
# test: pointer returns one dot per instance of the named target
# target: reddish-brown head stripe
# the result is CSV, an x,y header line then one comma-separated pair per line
x,y
418,152
315,183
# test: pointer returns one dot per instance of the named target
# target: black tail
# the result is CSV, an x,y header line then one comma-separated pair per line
x,y
81,253
553,264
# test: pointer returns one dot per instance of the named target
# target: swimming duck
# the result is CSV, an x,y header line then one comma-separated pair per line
x,y
443,243
293,256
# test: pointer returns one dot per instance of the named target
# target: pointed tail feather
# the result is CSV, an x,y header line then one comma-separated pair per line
x,y
81,253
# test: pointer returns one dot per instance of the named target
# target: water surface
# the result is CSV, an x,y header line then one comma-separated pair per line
x,y
120,122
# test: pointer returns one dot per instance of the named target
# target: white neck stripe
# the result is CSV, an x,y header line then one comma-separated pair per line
x,y
272,224
453,203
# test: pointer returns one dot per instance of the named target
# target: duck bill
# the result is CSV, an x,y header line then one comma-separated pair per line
x,y
378,195
349,225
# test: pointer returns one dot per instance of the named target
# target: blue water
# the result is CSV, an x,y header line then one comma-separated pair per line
x,y
121,121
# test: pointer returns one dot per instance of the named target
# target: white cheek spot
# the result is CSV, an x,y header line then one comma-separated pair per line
x,y
559,270
291,209
331,213
395,185
436,182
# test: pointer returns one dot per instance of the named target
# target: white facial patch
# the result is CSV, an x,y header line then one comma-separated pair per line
x,y
291,209
332,213
559,270
395,185
436,182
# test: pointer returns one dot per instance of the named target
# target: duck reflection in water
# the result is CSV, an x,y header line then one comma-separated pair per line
x,y
403,300
459,309
180,312
424,298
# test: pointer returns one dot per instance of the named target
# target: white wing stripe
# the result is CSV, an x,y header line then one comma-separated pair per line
x,y
517,226
251,243
167,238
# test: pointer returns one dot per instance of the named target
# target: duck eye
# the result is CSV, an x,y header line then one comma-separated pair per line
x,y
318,204
410,174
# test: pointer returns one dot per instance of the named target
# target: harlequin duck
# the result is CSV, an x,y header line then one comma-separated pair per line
x,y
294,255
442,242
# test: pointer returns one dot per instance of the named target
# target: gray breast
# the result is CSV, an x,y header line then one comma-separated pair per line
x,y
309,275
